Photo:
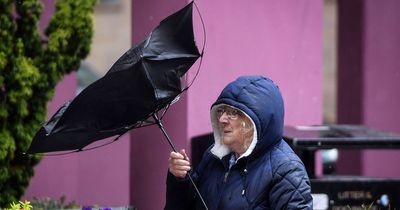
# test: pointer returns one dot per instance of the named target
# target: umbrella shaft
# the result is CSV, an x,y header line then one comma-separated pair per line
x,y
160,125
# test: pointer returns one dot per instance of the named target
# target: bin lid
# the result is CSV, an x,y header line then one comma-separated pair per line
x,y
340,136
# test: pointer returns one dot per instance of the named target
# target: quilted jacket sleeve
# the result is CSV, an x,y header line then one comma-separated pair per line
x,y
179,194
291,187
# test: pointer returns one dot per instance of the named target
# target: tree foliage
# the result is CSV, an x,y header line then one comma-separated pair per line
x,y
31,64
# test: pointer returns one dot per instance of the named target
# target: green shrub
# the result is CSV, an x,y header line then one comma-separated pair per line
x,y
31,65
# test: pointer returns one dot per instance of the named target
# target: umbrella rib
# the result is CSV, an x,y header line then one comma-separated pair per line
x,y
164,111
204,29
115,139
202,50
59,154
160,125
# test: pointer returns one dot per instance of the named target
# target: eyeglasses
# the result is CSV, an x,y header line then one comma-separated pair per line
x,y
231,113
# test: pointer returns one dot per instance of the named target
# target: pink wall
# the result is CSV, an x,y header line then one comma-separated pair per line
x,y
381,86
56,176
278,39
275,38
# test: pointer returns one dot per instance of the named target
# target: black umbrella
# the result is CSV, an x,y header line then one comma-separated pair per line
x,y
145,80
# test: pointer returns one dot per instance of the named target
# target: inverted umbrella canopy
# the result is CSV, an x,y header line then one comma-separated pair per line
x,y
146,79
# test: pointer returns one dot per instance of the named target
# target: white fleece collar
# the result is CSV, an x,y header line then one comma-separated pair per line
x,y
219,149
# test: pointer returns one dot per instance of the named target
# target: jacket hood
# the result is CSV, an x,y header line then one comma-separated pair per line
x,y
260,100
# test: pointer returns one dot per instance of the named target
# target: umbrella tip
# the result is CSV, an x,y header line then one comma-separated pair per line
x,y
26,154
176,99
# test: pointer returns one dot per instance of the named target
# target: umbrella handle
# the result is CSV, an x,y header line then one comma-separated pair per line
x,y
160,125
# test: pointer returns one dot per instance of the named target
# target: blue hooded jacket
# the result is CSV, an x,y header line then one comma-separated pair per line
x,y
269,175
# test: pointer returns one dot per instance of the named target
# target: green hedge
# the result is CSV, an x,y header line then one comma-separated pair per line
x,y
31,65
